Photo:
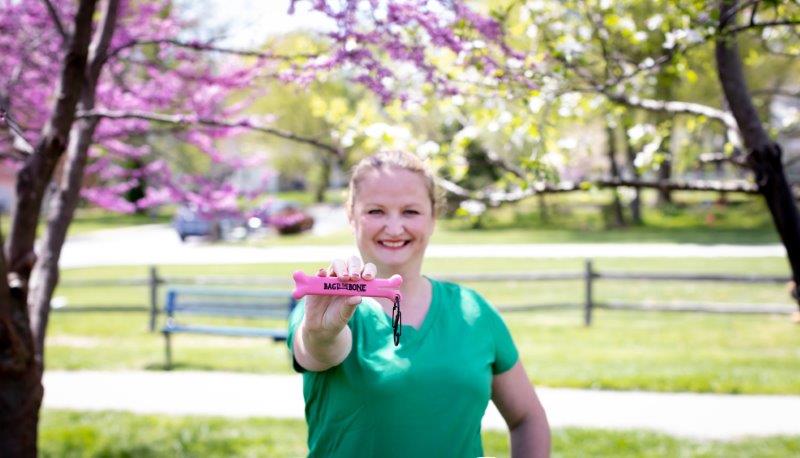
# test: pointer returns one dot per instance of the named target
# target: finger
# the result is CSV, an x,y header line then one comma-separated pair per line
x,y
323,272
354,268
369,272
340,269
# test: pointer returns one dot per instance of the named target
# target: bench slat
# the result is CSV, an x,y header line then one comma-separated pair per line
x,y
233,312
227,303
276,334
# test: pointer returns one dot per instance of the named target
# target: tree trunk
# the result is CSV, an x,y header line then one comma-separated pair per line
x,y
544,215
636,202
20,379
324,179
45,275
22,337
764,155
665,169
665,83
616,205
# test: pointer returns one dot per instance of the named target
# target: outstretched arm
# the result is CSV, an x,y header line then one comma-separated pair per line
x,y
323,339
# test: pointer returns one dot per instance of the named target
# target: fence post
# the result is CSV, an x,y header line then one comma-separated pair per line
x,y
588,277
153,283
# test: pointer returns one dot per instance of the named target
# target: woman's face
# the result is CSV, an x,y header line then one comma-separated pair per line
x,y
393,219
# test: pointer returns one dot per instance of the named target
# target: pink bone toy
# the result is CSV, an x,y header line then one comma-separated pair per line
x,y
331,286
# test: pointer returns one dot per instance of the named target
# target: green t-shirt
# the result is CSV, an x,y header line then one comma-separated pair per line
x,y
424,398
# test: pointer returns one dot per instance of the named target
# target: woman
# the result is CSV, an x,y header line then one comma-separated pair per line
x,y
425,397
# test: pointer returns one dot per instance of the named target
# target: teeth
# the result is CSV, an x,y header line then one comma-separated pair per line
x,y
393,244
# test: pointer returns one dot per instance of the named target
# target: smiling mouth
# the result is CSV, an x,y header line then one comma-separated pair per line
x,y
399,244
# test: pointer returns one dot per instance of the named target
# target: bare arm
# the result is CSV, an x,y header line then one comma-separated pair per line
x,y
516,399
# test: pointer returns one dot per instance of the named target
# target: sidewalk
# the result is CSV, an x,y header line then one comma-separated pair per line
x,y
701,416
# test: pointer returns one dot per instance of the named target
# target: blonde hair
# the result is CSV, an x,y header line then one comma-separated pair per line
x,y
397,159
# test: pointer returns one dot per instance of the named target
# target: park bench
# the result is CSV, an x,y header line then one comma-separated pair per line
x,y
258,305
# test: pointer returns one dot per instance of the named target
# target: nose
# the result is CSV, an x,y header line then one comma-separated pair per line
x,y
394,226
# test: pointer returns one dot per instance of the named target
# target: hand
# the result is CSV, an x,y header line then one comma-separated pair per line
x,y
326,316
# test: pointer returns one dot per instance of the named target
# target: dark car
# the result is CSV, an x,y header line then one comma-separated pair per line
x,y
188,222
286,217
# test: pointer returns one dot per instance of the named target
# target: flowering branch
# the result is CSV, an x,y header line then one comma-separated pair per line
x,y
189,120
57,21
206,47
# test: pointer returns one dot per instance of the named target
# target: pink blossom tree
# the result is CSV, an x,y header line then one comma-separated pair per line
x,y
86,85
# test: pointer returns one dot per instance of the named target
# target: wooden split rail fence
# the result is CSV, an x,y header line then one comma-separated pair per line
x,y
589,277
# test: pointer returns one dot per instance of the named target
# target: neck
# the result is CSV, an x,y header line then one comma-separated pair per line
x,y
413,281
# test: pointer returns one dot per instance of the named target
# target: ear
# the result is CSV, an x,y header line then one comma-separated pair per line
x,y
351,219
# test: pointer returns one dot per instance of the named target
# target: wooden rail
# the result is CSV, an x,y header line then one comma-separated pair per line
x,y
589,276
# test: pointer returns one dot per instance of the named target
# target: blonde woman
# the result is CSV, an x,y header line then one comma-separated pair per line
x,y
426,396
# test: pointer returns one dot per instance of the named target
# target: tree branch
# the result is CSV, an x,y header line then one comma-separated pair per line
x,y
769,92
495,197
21,144
669,106
738,160
5,292
14,154
37,171
99,46
184,120
761,25
205,47
57,21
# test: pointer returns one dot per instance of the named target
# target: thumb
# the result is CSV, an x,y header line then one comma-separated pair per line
x,y
349,307
353,301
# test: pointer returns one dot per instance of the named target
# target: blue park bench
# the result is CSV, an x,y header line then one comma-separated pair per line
x,y
257,304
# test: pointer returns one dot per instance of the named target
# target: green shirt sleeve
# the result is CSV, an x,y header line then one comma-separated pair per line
x,y
295,318
505,352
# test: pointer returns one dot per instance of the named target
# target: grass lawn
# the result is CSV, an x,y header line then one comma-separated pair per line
x,y
115,434
622,350
95,219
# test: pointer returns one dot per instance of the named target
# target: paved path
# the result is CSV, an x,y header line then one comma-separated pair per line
x,y
158,245
700,416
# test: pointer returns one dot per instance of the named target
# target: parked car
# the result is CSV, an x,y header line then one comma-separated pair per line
x,y
189,222
286,217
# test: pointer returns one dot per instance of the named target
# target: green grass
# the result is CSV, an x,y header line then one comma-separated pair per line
x,y
114,434
622,350
94,219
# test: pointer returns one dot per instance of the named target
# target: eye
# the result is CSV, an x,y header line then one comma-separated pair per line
x,y
375,211
411,212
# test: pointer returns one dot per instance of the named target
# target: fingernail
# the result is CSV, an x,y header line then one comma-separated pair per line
x,y
355,277
367,276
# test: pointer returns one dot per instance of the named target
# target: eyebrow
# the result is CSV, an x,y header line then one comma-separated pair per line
x,y
373,204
